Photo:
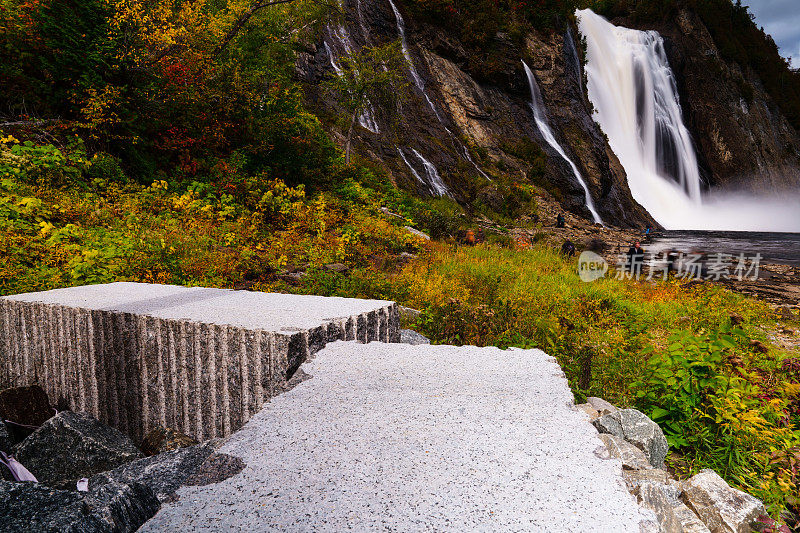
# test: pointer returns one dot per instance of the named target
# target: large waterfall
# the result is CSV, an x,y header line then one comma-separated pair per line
x,y
633,90
540,116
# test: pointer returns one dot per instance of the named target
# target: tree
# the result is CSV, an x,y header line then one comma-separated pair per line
x,y
371,76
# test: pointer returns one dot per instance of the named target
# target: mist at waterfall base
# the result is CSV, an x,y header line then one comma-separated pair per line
x,y
633,91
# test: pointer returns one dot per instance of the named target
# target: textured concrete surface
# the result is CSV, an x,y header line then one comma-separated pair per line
x,y
411,438
202,361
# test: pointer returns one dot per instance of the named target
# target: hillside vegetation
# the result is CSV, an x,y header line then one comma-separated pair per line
x,y
169,142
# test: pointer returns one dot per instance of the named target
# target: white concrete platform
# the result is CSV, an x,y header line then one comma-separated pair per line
x,y
415,438
199,360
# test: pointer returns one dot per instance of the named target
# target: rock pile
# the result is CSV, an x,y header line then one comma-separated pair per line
x,y
701,504
91,477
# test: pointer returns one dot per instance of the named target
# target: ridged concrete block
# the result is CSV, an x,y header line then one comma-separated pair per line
x,y
202,361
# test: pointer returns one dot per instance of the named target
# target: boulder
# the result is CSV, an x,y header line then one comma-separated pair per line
x,y
722,508
161,440
602,406
113,507
673,516
338,268
408,315
28,406
632,457
162,474
409,336
636,428
635,478
589,410
71,446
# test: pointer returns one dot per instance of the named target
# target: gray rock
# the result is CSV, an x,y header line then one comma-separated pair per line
x,y
673,516
602,406
408,314
635,478
409,336
722,508
589,410
636,428
71,446
632,457
114,507
786,312
339,268
418,233
163,474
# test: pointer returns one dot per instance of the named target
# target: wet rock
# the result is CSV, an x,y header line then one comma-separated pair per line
x,y
161,440
114,507
602,406
673,516
632,457
409,336
589,410
636,428
722,508
162,474
28,406
71,446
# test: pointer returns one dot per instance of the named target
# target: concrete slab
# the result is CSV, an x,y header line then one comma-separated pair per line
x,y
411,438
200,360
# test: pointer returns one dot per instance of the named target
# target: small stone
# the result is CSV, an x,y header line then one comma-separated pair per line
x,y
673,516
28,406
722,508
409,336
737,320
589,410
161,440
602,406
632,457
71,446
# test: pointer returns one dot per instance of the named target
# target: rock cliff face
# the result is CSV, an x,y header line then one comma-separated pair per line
x,y
743,139
474,132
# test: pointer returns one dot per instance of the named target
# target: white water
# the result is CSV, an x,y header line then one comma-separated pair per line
x,y
401,30
438,186
341,36
434,182
636,103
540,116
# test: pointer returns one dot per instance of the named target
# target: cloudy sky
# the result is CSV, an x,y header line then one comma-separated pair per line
x,y
781,19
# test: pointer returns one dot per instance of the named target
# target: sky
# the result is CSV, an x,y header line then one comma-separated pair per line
x,y
781,19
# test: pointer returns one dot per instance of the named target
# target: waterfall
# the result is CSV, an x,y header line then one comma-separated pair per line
x,y
635,96
539,115
438,186
434,182
401,30
340,35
